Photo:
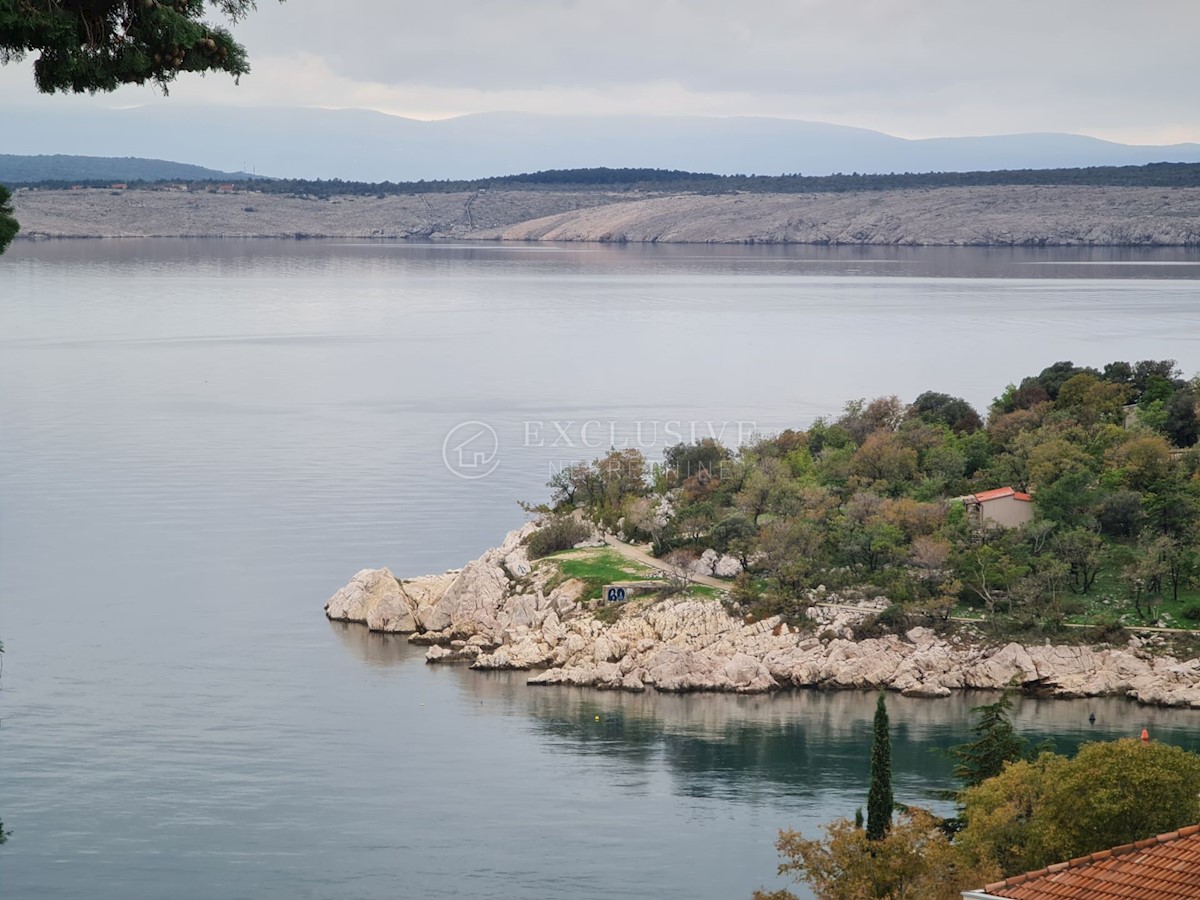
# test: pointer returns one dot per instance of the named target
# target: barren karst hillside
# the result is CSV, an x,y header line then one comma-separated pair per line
x,y
1019,215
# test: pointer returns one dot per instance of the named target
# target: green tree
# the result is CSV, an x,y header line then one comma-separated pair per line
x,y
99,45
8,224
1181,424
1091,400
879,798
989,571
954,412
996,743
913,861
1083,550
1052,808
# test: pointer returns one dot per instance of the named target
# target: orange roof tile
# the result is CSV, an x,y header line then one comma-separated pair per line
x,y
1166,867
1001,493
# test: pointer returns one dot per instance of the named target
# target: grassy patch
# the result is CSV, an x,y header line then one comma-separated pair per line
x,y
1109,600
598,566
1108,604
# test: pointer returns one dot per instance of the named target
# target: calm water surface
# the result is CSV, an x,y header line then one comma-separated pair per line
x,y
200,441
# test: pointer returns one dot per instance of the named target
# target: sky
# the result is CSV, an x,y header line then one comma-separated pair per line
x,y
913,68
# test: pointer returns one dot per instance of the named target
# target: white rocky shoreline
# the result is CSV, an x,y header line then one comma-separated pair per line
x,y
501,612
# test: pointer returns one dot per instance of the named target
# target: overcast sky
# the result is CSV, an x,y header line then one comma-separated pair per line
x,y
915,68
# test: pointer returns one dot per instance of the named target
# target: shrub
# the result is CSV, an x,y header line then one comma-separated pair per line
x,y
895,619
561,533
1191,612
793,610
1107,631
608,613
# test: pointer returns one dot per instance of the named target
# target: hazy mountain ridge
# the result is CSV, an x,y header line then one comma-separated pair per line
x,y
17,169
371,146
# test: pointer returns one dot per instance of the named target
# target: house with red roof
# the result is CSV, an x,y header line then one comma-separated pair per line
x,y
1003,507
1166,867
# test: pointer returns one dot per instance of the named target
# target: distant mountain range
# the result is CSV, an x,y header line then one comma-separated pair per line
x,y
371,146
58,167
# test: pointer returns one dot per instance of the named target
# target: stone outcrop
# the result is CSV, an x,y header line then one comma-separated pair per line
x,y
502,612
710,562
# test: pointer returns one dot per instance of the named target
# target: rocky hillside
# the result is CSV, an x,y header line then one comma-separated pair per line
x,y
145,213
977,216
1016,215
502,611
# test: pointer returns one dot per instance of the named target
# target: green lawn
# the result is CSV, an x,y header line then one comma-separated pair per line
x,y
598,566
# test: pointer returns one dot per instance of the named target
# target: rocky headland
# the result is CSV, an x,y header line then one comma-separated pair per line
x,y
504,611
1012,215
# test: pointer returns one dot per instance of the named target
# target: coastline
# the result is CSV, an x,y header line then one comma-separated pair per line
x,y
504,611
1007,216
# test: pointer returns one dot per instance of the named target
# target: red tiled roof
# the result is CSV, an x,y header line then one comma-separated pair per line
x,y
1000,494
1166,867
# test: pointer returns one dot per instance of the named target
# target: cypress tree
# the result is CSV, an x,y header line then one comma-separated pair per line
x,y
879,798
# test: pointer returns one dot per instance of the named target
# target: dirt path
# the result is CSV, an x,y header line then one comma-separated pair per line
x,y
645,559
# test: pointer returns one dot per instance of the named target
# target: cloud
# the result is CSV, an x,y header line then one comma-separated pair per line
x,y
915,68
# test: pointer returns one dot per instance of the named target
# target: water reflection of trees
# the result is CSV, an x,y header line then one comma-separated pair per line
x,y
809,742
799,742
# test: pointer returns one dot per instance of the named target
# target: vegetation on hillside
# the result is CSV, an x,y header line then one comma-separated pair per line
x,y
868,500
1156,175
101,171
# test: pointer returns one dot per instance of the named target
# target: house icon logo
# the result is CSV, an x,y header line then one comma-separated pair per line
x,y
471,450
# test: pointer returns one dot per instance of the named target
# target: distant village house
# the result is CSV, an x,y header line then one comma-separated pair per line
x,y
1003,507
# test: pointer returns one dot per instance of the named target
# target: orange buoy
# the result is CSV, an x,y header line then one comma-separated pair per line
x,y
1145,735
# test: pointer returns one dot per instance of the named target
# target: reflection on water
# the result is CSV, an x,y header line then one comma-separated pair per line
x,y
805,743
201,440
374,648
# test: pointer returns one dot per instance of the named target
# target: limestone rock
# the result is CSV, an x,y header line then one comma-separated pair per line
x,y
393,613
727,567
376,598
495,614
463,652
517,563
470,603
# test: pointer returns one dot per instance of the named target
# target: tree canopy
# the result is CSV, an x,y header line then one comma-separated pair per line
x,y
913,861
872,500
1030,814
98,45
1053,808
996,744
8,224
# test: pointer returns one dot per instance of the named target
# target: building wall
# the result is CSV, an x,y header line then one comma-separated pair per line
x,y
1007,512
